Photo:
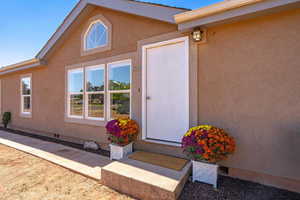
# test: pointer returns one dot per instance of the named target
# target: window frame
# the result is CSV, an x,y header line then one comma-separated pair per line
x,y
86,35
84,119
86,93
75,93
91,21
22,113
109,92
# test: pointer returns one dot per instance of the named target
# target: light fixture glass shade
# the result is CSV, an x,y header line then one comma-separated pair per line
x,y
197,35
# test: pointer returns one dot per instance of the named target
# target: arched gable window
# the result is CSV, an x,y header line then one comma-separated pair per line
x,y
96,36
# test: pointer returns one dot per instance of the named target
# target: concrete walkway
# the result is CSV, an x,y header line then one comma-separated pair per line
x,y
85,163
132,177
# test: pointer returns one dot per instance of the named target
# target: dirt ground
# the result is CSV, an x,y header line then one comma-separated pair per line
x,y
25,177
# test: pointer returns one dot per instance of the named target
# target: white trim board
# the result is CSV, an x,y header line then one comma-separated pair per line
x,y
144,85
23,68
245,11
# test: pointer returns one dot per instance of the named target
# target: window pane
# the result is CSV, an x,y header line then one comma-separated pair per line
x,y
26,86
96,105
120,105
76,81
96,36
26,104
76,104
95,79
119,77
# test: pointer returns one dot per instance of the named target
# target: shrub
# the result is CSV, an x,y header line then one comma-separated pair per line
x,y
122,131
208,143
6,118
123,108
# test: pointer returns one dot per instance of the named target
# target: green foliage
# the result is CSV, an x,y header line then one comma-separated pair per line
x,y
123,108
122,103
114,85
6,118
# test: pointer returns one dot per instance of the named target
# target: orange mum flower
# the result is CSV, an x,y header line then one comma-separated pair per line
x,y
208,143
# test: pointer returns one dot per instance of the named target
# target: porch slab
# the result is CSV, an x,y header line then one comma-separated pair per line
x,y
145,181
82,162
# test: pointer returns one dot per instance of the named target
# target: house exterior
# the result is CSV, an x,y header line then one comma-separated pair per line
x,y
127,58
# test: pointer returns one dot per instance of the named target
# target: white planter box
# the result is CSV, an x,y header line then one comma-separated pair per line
x,y
118,152
205,172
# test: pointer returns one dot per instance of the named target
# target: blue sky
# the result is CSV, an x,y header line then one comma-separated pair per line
x,y
25,31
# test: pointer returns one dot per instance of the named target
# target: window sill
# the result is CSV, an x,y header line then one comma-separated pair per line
x,y
86,52
26,115
85,121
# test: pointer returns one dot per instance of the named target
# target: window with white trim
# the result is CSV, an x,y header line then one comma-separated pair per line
x,y
26,98
90,98
119,81
94,93
75,93
96,35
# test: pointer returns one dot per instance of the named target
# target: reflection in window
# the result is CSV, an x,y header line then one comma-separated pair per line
x,y
76,104
76,81
119,77
26,104
75,92
96,36
95,92
90,98
26,86
119,89
120,105
95,79
26,95
96,105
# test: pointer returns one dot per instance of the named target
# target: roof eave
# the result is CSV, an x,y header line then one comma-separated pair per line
x,y
228,15
212,9
163,5
155,12
22,66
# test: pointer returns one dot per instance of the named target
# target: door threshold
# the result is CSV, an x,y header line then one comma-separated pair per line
x,y
162,142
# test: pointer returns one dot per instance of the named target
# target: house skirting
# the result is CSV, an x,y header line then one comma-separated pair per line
x,y
265,179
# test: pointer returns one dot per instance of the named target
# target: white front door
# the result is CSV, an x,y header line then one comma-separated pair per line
x,y
165,90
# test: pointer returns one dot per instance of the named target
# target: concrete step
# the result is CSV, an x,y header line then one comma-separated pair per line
x,y
145,181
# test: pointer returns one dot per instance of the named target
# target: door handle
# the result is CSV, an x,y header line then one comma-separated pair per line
x,y
148,98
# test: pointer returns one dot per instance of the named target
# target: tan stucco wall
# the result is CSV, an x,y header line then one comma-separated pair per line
x,y
249,84
49,82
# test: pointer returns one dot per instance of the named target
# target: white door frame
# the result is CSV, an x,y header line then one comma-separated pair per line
x,y
144,83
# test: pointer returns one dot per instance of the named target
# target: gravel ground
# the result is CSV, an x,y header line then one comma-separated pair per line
x,y
235,189
25,177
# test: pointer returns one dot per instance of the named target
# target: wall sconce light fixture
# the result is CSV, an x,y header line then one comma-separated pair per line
x,y
197,35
